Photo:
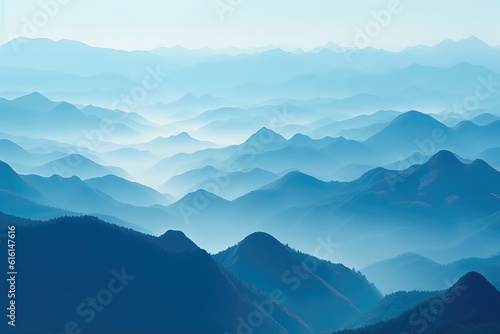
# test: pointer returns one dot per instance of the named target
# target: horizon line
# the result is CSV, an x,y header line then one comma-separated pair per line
x,y
257,49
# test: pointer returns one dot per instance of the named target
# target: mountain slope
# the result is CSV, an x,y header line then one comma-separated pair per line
x,y
265,263
126,191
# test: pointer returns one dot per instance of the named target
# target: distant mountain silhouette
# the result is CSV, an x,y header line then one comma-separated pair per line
x,y
181,143
36,100
237,184
294,189
77,165
265,136
193,199
190,101
36,116
442,184
405,273
181,184
485,119
381,116
414,131
126,191
315,157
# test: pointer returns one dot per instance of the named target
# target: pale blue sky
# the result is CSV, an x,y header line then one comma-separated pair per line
x,y
148,24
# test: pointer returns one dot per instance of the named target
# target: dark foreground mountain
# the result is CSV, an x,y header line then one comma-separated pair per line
x,y
316,291
102,278
472,305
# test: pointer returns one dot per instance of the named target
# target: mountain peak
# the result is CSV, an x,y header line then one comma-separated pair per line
x,y
415,118
296,180
474,40
265,135
301,139
469,43
36,101
444,159
188,97
260,238
412,114
34,97
177,241
483,165
183,135
261,245
201,195
475,285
